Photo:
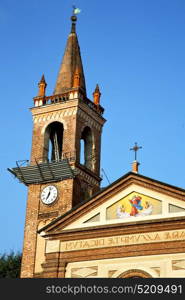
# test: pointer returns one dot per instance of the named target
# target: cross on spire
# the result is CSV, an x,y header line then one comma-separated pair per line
x,y
135,149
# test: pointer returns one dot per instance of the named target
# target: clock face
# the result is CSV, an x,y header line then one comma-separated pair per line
x,y
49,194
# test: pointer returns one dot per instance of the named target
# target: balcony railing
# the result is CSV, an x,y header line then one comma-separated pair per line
x,y
70,95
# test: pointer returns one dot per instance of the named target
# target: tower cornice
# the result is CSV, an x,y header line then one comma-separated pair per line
x,y
56,102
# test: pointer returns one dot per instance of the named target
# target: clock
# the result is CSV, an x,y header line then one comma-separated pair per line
x,y
49,194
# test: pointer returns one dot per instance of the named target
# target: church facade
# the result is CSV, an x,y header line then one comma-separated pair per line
x,y
135,227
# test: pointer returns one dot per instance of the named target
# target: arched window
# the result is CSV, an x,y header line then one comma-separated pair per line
x,y
86,148
53,141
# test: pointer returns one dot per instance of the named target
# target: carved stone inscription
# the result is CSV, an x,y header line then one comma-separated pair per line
x,y
123,240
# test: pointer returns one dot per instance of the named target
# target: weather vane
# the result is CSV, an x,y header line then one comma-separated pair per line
x,y
135,149
76,10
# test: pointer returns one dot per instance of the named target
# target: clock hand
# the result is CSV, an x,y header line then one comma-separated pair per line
x,y
48,195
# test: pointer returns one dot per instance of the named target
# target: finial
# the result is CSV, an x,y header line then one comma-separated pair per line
x,y
76,11
97,89
42,86
135,163
97,95
42,79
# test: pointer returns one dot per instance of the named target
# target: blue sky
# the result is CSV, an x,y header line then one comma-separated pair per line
x,y
134,49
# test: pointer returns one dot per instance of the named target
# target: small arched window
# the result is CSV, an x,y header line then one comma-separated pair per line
x,y
53,141
86,148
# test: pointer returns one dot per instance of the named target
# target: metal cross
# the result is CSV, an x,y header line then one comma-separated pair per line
x,y
135,149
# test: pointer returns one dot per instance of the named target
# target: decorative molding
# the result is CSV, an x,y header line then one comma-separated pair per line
x,y
62,121
111,273
48,215
178,264
92,122
87,177
135,273
52,246
157,270
84,272
54,115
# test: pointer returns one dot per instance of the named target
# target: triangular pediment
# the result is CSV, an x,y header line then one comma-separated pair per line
x,y
131,205
133,199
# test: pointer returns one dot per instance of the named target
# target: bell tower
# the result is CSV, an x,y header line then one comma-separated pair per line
x,y
64,168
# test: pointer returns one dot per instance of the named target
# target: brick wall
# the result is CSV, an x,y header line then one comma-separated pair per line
x,y
70,191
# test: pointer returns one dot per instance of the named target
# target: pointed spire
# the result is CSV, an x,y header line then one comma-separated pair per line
x,y
42,87
97,95
70,63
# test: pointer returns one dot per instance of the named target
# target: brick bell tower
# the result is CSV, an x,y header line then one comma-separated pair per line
x,y
64,168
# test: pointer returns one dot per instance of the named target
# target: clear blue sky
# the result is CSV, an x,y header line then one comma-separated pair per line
x,y
134,49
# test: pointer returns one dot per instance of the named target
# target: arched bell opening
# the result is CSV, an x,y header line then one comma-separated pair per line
x,y
53,142
86,148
